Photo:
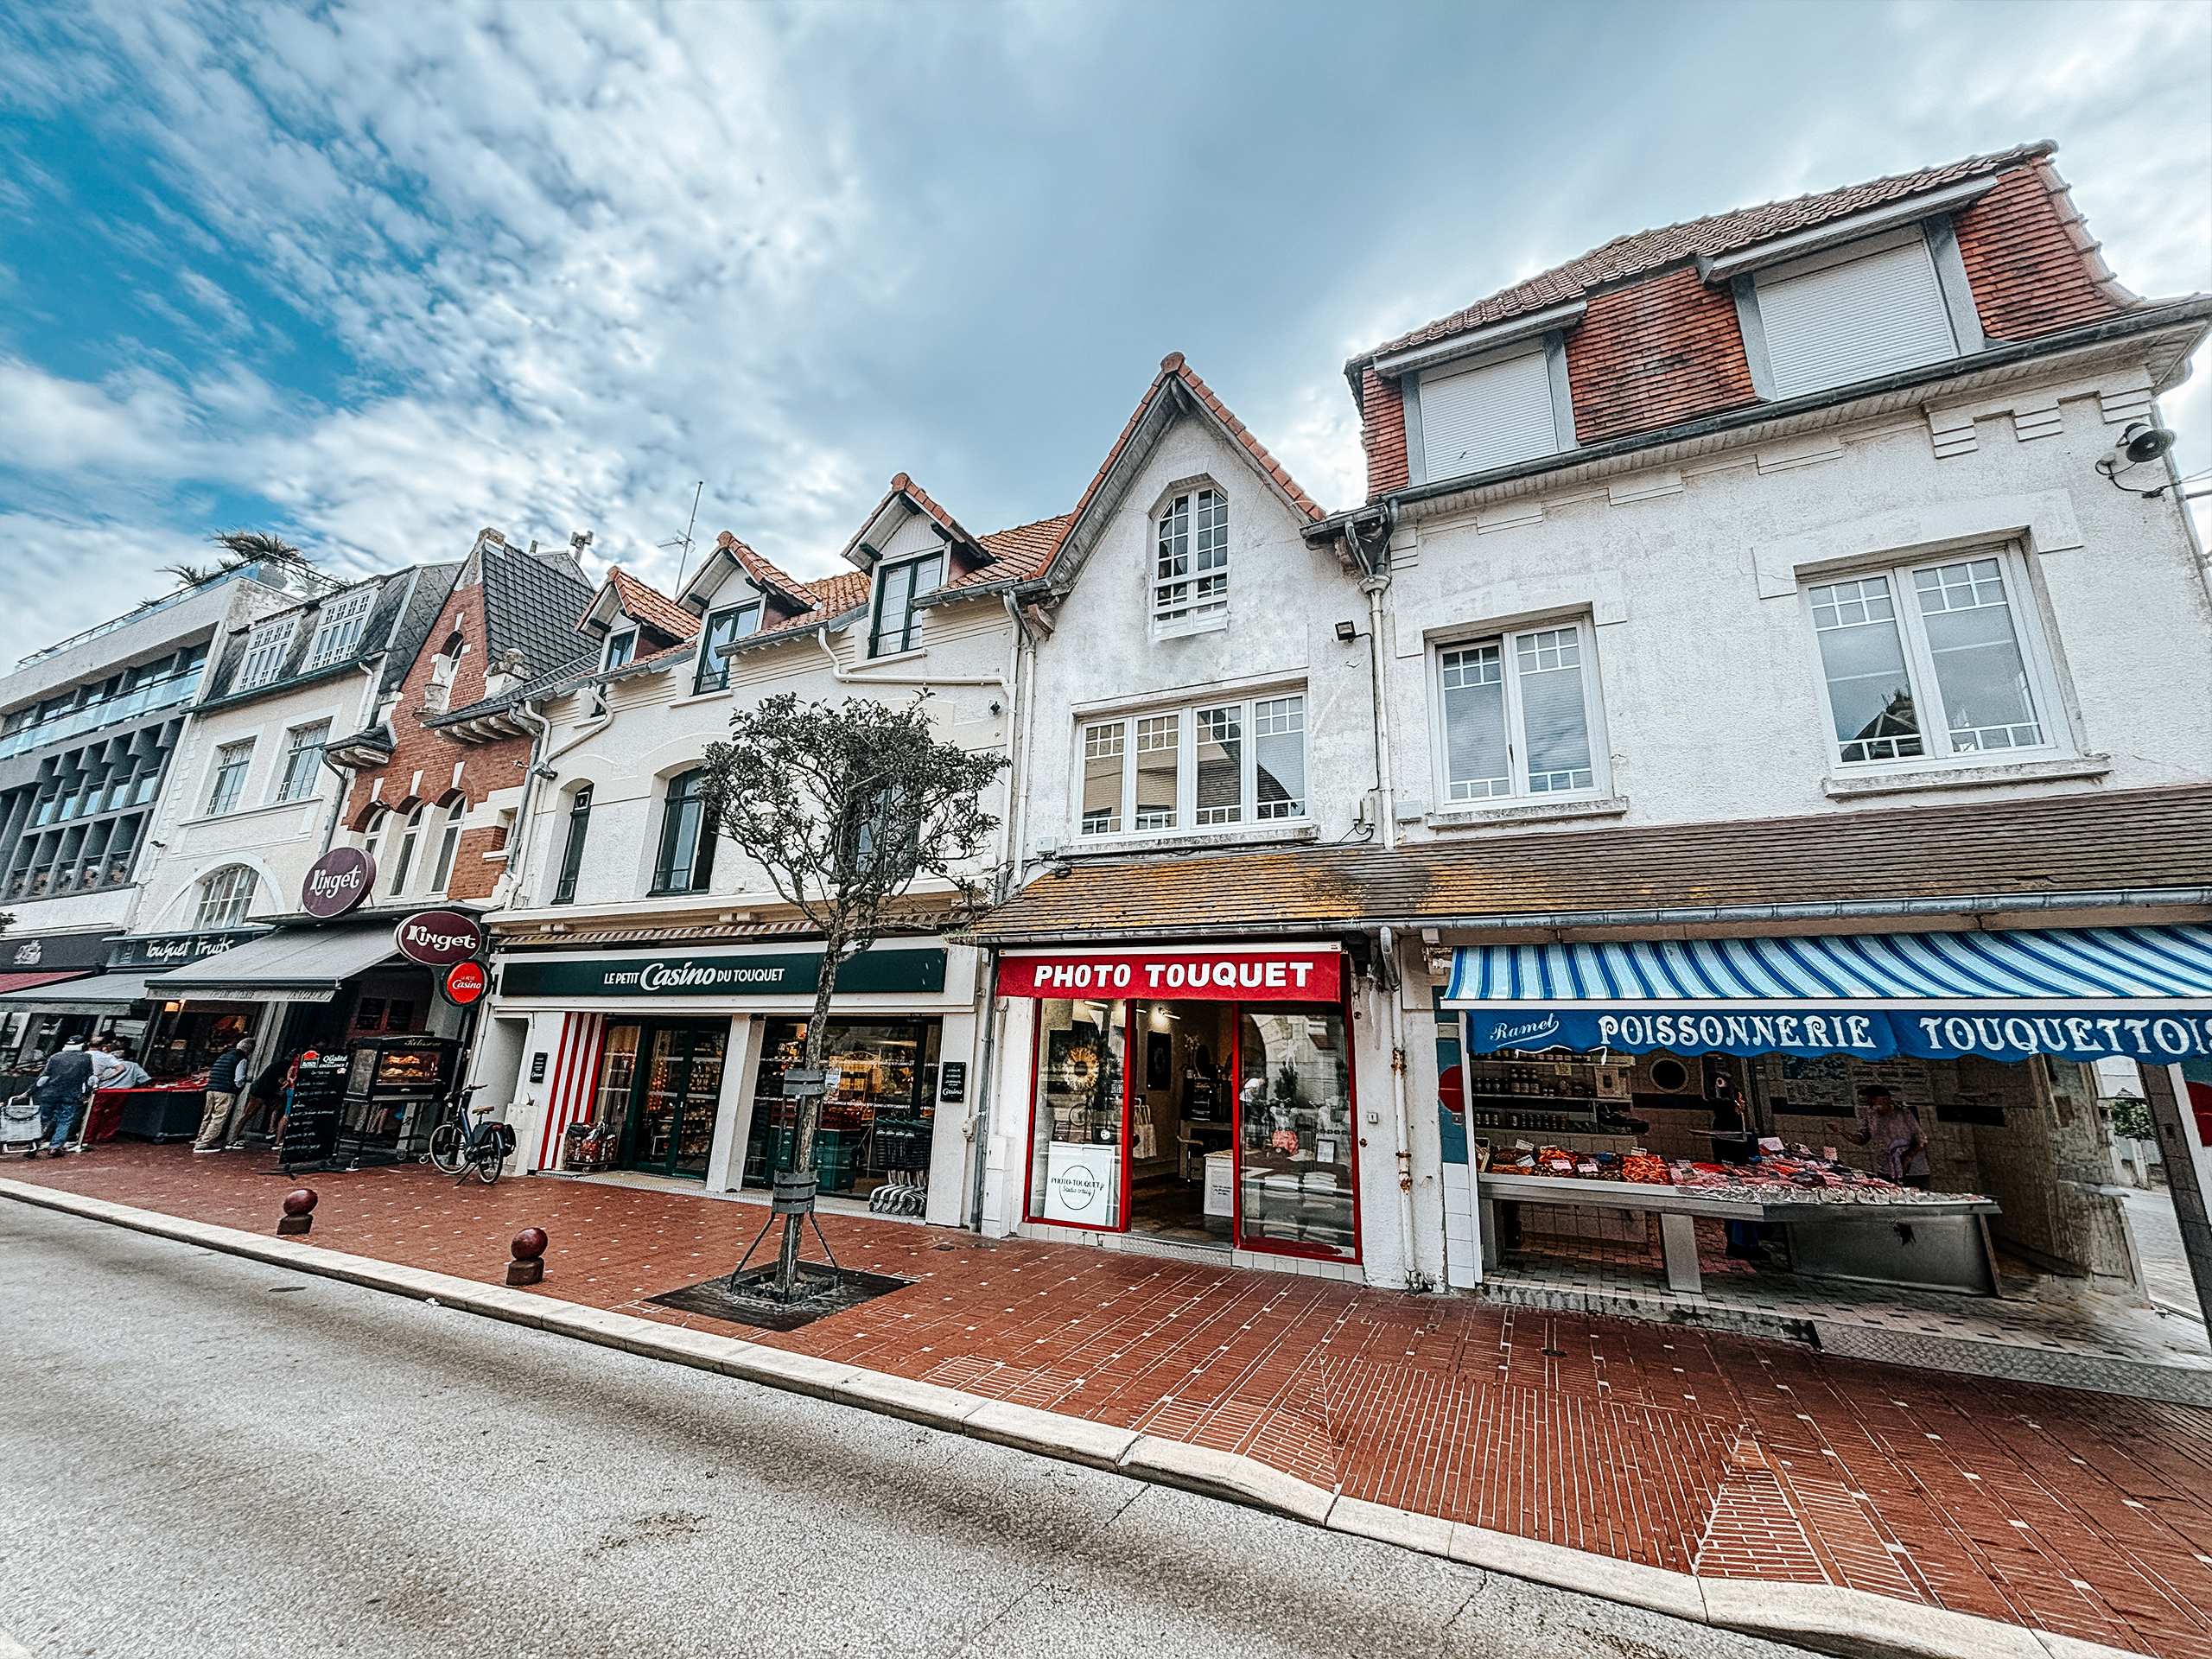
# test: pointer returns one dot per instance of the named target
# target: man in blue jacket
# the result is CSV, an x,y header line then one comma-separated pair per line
x,y
61,1092
227,1096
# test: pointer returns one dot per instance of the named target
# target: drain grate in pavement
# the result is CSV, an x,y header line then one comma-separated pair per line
x,y
749,1302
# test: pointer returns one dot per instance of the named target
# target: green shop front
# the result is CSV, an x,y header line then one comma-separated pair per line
x,y
668,1063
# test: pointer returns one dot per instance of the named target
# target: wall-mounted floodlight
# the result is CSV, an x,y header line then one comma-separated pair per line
x,y
1347,631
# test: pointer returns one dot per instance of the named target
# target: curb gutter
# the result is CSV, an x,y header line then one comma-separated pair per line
x,y
1827,1619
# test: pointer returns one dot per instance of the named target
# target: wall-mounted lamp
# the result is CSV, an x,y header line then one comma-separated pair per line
x,y
2140,443
1346,632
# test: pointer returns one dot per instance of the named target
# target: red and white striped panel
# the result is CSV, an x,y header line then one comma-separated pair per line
x,y
575,1071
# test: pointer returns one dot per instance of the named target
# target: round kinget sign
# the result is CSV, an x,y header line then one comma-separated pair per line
x,y
439,939
337,881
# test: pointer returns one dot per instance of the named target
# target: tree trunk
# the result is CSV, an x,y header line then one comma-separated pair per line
x,y
809,1118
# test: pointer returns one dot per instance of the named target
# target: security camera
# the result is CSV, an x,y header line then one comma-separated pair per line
x,y
2140,442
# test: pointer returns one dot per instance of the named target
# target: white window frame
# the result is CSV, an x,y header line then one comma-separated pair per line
x,y
626,639
240,753
410,839
267,644
293,749
225,896
1552,343
448,845
885,641
2025,610
1171,619
1250,808
337,627
712,672
1508,637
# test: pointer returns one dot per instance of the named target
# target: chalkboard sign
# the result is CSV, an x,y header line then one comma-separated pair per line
x,y
318,1109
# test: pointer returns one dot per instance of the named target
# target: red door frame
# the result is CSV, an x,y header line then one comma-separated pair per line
x,y
1310,1252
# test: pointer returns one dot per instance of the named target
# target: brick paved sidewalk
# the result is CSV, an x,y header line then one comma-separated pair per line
x,y
1691,1450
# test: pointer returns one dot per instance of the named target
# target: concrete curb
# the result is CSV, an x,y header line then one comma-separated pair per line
x,y
1853,1623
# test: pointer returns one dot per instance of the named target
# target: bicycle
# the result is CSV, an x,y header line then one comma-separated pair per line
x,y
459,1145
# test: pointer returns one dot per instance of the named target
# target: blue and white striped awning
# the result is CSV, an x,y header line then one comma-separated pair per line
x,y
2146,992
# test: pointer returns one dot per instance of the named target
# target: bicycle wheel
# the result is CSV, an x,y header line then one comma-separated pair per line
x,y
447,1148
490,1157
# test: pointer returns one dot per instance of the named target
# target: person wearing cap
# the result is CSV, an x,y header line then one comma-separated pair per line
x,y
226,1099
1893,1131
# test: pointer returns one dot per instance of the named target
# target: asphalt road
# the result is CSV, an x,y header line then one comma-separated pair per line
x,y
203,1456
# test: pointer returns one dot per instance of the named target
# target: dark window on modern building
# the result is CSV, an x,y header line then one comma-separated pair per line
x,y
687,839
572,855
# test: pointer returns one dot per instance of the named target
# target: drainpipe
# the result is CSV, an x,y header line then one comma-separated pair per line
x,y
1386,983
518,846
1375,560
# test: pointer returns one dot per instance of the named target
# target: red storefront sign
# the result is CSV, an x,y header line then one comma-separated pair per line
x,y
1187,972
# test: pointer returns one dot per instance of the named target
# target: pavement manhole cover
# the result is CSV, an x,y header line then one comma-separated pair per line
x,y
749,1300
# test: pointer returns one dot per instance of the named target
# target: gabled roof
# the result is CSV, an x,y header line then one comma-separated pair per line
x,y
906,494
1175,392
731,554
641,602
532,605
1625,258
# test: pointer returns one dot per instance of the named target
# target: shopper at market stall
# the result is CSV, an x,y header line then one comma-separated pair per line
x,y
1892,1130
61,1090
227,1097
127,1073
1735,1141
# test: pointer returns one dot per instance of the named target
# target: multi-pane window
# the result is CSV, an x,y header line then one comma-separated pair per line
x,y
572,854
723,628
448,844
406,856
1205,767
1925,662
338,629
897,621
374,839
687,838
1517,712
303,762
1190,584
266,647
621,648
225,898
232,762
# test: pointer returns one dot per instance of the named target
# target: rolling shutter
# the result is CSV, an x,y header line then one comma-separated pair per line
x,y
1492,416
1855,313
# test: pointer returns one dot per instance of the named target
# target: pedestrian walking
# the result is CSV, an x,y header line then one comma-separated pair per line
x,y
62,1088
226,1098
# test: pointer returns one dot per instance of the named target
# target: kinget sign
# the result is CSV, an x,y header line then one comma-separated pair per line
x,y
439,939
1196,973
337,881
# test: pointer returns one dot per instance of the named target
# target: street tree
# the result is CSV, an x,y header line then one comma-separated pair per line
x,y
844,806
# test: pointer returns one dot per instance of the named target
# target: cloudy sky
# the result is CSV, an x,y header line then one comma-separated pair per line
x,y
372,276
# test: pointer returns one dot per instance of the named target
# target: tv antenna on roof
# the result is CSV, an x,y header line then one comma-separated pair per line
x,y
683,543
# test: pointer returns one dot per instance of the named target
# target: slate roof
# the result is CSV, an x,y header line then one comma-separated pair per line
x,y
2033,852
1636,255
407,604
530,605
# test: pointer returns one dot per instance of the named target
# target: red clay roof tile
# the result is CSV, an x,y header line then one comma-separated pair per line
x,y
644,603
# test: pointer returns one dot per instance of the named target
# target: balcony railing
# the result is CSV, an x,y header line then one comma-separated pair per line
x,y
111,711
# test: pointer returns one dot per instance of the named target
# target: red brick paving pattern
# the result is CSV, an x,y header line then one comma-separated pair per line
x,y
2080,1513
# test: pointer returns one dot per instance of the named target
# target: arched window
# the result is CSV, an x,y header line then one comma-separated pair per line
x,y
1190,562
225,897
449,842
687,838
572,854
406,856
372,838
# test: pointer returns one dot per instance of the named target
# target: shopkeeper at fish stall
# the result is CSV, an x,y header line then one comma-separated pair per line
x,y
1735,1142
1893,1131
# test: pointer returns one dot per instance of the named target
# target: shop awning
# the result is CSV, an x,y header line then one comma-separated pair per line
x,y
2143,993
70,993
302,965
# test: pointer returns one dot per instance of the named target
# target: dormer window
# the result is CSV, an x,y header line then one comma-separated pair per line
x,y
337,630
1190,587
897,588
1865,309
621,647
265,650
724,627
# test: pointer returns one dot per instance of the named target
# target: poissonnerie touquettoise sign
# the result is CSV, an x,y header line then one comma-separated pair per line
x,y
794,974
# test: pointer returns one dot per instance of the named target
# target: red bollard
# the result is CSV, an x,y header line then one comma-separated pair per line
x,y
528,1250
299,1211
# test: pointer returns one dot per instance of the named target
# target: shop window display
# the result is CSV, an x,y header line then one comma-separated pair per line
x,y
878,1118
1294,1131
